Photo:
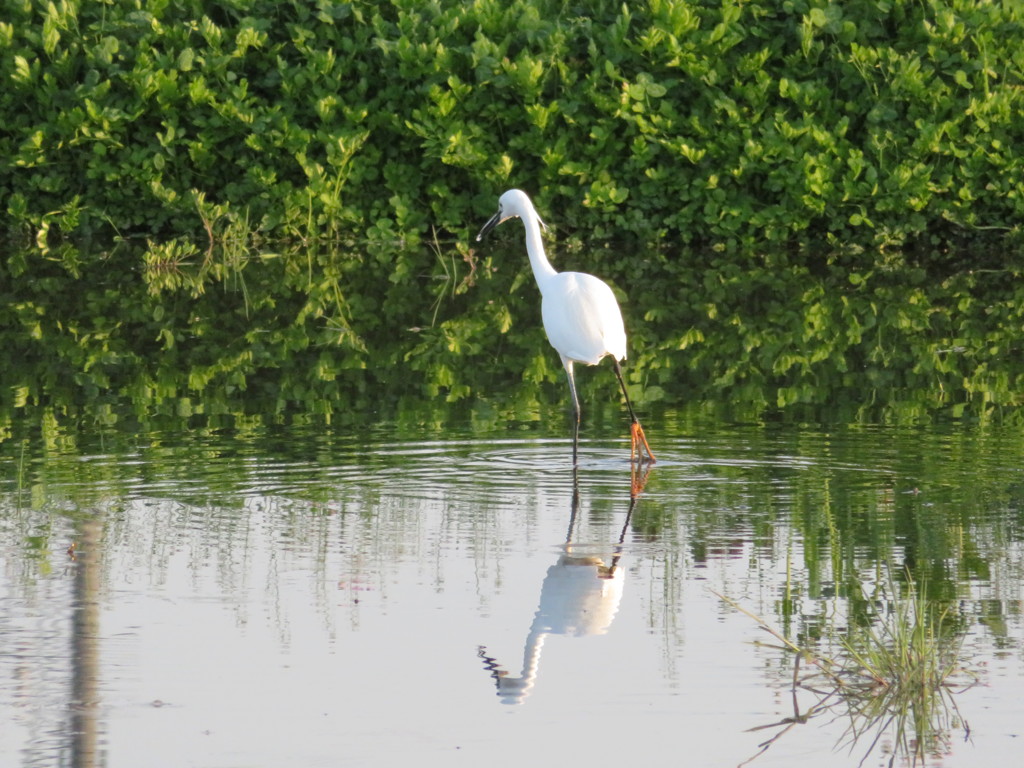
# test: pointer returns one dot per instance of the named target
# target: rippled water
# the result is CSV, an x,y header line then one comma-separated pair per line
x,y
305,596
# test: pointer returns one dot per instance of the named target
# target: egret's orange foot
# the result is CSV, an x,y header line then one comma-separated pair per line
x,y
639,444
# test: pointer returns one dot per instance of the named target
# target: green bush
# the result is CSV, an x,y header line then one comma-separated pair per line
x,y
770,122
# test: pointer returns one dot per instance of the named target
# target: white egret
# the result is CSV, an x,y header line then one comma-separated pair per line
x,y
581,316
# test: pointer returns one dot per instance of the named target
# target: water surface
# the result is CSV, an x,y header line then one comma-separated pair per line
x,y
307,594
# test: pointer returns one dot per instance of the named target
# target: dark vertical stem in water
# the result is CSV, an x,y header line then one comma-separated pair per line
x,y
85,647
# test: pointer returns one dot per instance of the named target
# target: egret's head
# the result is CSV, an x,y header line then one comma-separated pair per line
x,y
512,204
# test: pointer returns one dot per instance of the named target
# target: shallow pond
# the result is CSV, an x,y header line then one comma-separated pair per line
x,y
454,594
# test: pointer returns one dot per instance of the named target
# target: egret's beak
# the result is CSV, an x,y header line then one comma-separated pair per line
x,y
495,220
492,222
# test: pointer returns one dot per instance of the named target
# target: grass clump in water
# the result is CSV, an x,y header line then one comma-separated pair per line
x,y
894,681
900,676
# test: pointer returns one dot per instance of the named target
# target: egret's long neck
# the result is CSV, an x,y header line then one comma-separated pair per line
x,y
542,269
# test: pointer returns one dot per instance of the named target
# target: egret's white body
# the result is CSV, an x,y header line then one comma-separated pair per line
x,y
582,318
580,313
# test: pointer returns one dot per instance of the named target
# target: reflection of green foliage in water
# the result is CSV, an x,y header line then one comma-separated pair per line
x,y
327,330
835,505
829,504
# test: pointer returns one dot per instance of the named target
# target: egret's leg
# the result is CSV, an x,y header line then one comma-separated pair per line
x,y
575,408
638,440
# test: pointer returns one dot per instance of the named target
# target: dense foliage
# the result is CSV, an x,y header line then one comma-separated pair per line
x,y
869,122
330,330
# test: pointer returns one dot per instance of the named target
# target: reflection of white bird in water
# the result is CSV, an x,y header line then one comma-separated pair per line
x,y
580,596
580,313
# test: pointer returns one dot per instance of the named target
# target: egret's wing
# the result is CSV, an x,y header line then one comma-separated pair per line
x,y
582,318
